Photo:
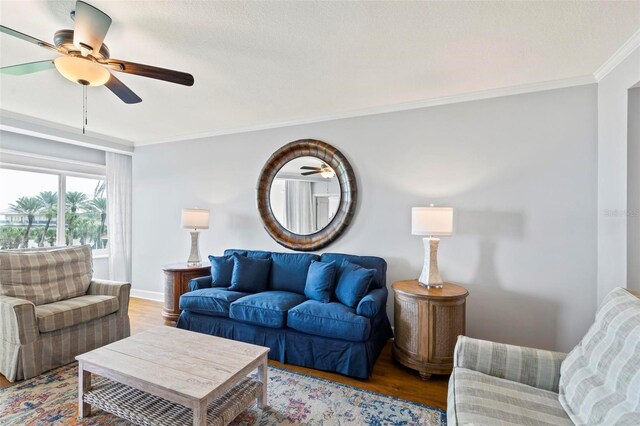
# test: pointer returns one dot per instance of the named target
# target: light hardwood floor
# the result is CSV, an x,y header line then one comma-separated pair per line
x,y
388,377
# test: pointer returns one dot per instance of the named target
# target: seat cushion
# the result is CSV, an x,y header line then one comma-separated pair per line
x,y
289,271
600,378
479,399
329,320
367,262
65,313
210,301
353,283
250,274
221,270
46,275
268,309
320,281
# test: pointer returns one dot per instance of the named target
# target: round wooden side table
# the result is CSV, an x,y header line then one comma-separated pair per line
x,y
428,322
176,283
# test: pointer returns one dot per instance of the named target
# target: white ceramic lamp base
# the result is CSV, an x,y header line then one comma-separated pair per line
x,y
430,276
194,257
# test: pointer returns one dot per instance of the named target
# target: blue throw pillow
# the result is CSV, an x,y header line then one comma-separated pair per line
x,y
221,270
250,274
353,283
320,281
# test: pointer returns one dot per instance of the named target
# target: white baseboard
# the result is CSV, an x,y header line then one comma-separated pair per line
x,y
146,294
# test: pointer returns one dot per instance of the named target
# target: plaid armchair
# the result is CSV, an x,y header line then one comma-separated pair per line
x,y
597,383
51,309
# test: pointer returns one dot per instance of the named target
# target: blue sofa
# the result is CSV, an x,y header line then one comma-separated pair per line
x,y
300,331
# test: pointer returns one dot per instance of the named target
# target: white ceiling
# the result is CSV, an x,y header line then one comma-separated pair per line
x,y
261,63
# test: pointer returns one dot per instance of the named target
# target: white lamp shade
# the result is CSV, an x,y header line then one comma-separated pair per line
x,y
433,221
195,218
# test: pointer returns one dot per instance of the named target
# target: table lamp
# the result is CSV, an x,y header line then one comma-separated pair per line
x,y
195,219
432,222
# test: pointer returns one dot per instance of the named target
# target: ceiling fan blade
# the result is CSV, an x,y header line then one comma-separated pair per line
x,y
91,26
309,168
158,73
122,91
27,68
23,36
309,173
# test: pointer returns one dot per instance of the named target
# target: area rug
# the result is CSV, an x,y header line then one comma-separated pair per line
x,y
294,399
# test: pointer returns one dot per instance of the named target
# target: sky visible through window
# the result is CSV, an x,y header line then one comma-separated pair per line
x,y
17,183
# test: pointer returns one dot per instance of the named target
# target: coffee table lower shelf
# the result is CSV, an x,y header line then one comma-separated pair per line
x,y
145,409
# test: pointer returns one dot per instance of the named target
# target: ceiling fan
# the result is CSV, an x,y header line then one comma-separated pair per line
x,y
324,170
85,59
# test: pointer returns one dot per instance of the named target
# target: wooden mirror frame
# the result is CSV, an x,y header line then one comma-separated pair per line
x,y
348,194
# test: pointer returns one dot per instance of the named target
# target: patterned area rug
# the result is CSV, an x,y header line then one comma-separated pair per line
x,y
294,399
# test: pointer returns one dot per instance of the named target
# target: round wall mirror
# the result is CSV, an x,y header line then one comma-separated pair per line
x,y
306,195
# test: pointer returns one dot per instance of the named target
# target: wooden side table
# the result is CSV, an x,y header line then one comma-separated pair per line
x,y
176,283
427,324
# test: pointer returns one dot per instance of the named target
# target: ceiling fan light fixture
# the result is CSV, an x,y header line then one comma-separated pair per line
x,y
327,174
81,70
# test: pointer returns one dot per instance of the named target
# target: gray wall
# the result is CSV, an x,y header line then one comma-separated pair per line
x,y
520,172
612,173
633,191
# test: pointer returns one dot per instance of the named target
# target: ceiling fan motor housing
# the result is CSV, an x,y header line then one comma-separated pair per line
x,y
64,40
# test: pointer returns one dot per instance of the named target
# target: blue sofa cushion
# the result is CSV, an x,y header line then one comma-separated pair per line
x,y
250,274
221,270
368,262
268,309
329,320
254,254
289,271
320,281
353,283
210,301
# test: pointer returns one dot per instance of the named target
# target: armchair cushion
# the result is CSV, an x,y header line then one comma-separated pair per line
x,y
600,379
46,276
480,399
112,288
65,313
533,367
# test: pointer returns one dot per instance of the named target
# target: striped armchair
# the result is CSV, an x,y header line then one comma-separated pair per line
x,y
597,383
51,309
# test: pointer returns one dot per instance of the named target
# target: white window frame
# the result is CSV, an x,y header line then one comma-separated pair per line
x,y
62,195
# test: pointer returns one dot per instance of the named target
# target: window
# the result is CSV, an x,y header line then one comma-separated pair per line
x,y
32,214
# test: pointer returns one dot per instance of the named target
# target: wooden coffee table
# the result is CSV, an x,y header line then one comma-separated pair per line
x,y
172,376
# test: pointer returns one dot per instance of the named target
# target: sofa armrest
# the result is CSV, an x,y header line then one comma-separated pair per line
x,y
112,288
373,303
533,367
18,319
200,283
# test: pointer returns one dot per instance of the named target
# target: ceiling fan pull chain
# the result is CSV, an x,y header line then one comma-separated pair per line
x,y
84,108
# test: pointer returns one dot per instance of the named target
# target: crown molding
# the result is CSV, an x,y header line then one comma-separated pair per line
x,y
26,125
424,103
620,55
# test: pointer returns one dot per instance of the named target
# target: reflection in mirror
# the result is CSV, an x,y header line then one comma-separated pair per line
x,y
305,195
